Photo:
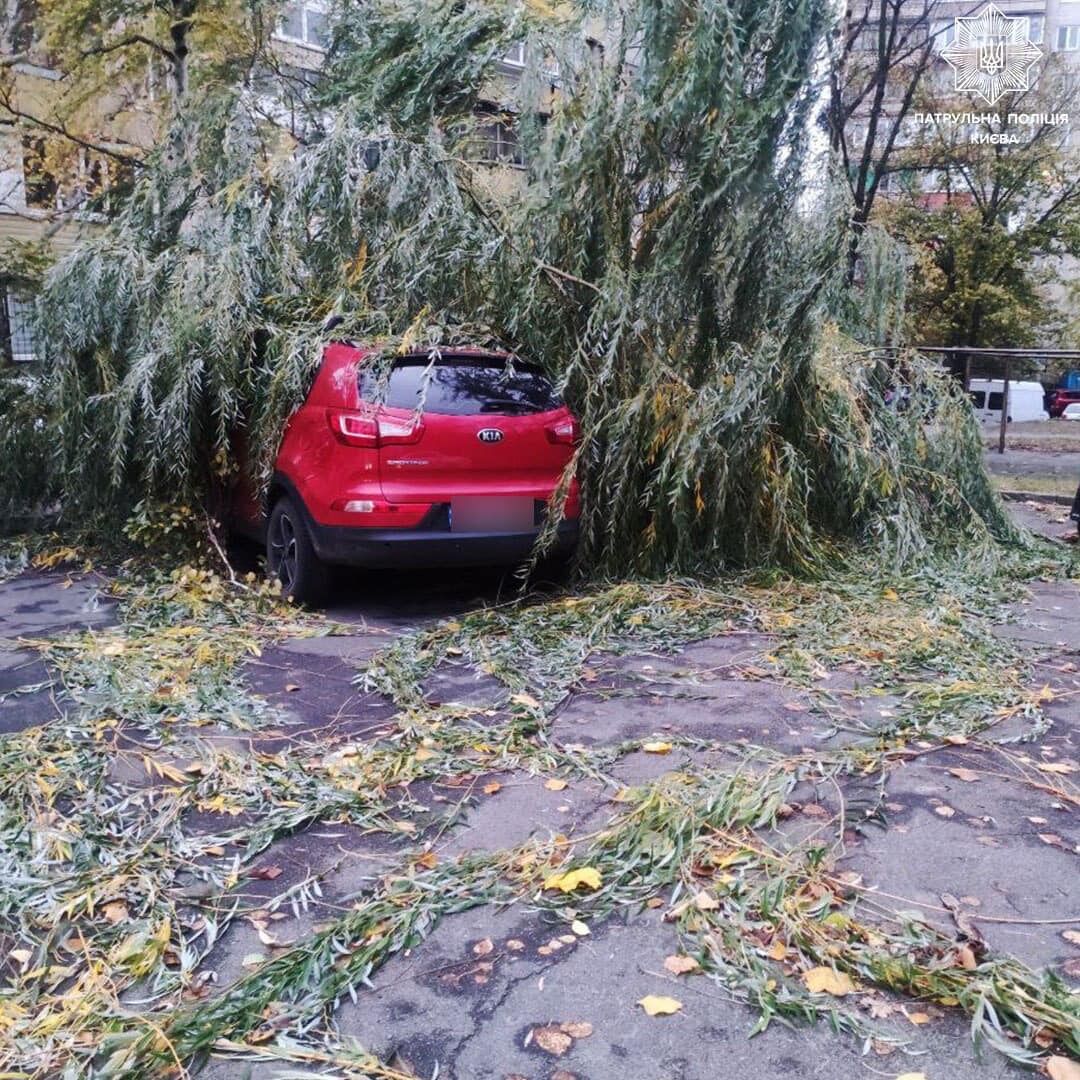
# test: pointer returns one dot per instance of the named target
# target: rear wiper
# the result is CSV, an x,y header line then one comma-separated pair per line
x,y
507,406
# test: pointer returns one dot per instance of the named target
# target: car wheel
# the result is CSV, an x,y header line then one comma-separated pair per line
x,y
290,556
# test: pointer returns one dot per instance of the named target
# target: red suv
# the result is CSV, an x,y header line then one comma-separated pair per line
x,y
1060,400
441,459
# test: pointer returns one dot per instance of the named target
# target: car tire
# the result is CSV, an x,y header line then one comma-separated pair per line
x,y
291,557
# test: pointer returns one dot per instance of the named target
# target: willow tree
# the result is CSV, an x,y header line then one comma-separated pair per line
x,y
657,253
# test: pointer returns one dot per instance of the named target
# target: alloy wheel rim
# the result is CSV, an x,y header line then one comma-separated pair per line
x,y
283,548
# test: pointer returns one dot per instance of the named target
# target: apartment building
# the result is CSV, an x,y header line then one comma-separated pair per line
x,y
1054,25
53,188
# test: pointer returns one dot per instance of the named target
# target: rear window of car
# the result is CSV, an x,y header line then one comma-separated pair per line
x,y
460,386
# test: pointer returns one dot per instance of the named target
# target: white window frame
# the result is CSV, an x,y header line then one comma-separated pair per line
x,y
1032,22
19,311
1068,38
515,56
305,6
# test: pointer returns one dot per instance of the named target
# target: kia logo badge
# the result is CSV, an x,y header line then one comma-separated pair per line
x,y
490,435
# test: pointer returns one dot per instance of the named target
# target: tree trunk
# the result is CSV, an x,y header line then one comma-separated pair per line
x,y
178,32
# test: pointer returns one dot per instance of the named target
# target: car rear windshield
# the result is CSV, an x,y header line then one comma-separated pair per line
x,y
460,386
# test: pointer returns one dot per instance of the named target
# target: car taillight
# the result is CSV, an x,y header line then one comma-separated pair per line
x,y
565,432
372,430
353,429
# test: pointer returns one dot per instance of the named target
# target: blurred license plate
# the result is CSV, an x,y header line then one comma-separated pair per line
x,y
491,514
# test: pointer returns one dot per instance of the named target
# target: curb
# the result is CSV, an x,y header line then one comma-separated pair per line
x,y
1035,496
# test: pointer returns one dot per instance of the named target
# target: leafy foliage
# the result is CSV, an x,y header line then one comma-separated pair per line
x,y
655,256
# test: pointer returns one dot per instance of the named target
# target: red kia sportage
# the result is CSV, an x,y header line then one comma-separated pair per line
x,y
439,459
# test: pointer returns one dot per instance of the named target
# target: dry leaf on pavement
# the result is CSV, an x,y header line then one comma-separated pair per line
x,y
1059,1068
659,1006
577,1029
824,980
969,776
552,1040
681,965
574,879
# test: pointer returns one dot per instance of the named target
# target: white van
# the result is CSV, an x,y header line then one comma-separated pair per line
x,y
1026,400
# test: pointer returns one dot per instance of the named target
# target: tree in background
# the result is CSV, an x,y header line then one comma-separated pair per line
x,y
127,70
880,54
993,243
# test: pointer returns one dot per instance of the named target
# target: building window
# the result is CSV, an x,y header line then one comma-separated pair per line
x,y
943,33
496,139
305,23
17,328
1035,28
515,57
1068,39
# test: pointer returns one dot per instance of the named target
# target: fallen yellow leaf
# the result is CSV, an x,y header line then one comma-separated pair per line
x,y
577,1029
556,785
115,912
525,699
659,1006
1060,1068
890,594
969,776
656,747
574,879
1062,768
580,928
552,1040
681,965
824,980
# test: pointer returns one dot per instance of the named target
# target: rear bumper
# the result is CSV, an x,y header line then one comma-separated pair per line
x,y
386,549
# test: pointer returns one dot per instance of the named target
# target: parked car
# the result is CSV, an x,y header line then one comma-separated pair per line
x,y
449,459
1025,400
1060,400
1072,412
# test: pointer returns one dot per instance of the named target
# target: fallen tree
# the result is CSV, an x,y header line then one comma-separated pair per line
x,y
658,255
